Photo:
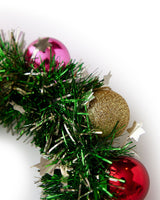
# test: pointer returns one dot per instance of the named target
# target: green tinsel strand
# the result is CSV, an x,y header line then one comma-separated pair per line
x,y
88,177
88,162
50,108
44,97
12,68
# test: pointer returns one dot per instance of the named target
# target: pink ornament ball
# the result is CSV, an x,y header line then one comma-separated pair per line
x,y
42,50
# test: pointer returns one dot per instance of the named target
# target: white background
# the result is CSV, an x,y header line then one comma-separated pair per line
x,y
120,36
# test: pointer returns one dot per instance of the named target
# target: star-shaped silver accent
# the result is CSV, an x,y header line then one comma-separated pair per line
x,y
45,167
42,44
42,166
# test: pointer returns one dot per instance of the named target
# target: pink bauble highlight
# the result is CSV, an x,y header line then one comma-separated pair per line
x,y
44,49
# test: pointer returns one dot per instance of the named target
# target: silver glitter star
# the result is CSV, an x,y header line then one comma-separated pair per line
x,y
42,44
45,167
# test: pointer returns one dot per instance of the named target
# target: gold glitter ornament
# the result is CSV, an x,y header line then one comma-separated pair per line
x,y
106,109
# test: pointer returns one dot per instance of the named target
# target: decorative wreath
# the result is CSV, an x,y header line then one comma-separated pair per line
x,y
76,120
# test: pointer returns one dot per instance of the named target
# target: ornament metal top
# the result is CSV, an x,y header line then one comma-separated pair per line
x,y
43,50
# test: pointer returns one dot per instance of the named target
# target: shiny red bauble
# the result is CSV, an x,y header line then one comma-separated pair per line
x,y
44,50
135,176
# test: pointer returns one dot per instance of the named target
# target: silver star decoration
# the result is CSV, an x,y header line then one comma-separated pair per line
x,y
45,167
17,107
106,79
42,166
136,131
133,132
42,44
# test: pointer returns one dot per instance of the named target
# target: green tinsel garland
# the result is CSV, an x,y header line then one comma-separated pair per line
x,y
50,108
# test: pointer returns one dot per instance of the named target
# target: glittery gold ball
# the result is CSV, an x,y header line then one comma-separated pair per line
x,y
106,109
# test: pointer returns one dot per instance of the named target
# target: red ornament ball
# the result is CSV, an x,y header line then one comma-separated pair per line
x,y
44,49
135,176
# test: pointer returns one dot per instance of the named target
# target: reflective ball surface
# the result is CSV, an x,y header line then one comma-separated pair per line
x,y
135,176
44,50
